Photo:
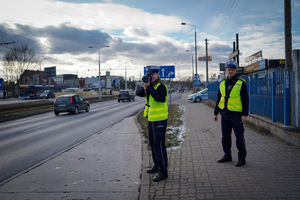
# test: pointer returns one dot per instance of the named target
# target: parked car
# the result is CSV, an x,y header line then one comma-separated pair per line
x,y
126,95
70,103
199,96
47,94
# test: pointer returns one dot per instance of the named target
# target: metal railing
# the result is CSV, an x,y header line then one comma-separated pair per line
x,y
268,94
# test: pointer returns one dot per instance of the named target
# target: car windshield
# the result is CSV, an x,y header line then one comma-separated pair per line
x,y
63,99
123,92
202,92
46,92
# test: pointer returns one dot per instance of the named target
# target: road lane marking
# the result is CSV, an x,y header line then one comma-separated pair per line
x,y
35,128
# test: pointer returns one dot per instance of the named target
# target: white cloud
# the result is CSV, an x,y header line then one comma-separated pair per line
x,y
105,16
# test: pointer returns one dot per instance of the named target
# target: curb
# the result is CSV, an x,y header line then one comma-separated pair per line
x,y
145,185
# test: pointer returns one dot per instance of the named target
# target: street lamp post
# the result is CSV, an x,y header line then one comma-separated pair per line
x,y
99,68
125,74
195,52
193,74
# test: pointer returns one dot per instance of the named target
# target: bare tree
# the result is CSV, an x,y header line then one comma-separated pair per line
x,y
17,60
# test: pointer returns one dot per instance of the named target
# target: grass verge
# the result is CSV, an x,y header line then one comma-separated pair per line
x,y
28,108
175,125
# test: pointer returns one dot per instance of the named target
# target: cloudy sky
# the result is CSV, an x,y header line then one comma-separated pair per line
x,y
144,32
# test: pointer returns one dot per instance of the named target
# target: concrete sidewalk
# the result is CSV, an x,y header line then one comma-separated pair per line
x,y
272,170
105,166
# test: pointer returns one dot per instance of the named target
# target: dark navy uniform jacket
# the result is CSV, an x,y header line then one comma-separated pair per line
x,y
229,83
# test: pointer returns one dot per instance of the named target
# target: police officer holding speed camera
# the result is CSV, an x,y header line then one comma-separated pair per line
x,y
156,111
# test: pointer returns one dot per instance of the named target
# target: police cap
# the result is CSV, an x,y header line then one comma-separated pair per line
x,y
231,64
152,69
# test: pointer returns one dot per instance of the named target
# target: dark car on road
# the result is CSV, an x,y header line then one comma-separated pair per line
x,y
47,94
126,95
72,103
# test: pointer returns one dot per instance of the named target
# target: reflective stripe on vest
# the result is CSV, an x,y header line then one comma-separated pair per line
x,y
156,111
234,101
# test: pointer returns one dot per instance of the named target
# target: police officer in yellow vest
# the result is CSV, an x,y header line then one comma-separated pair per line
x,y
233,104
156,111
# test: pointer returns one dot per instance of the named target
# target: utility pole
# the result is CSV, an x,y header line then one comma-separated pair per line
x,y
288,35
206,61
237,49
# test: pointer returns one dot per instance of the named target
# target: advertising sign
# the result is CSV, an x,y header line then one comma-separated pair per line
x,y
251,68
253,56
50,71
262,64
115,83
209,58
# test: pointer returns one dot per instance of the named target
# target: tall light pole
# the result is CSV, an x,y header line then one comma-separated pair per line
x,y
125,74
99,68
193,74
195,52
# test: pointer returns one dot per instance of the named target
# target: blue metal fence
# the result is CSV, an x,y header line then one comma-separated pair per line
x,y
266,94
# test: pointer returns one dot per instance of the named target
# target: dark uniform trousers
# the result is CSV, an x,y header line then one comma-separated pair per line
x,y
233,121
157,135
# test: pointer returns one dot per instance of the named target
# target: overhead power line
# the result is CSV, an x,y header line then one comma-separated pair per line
x,y
231,7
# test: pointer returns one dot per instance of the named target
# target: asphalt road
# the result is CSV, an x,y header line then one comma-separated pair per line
x,y
27,142
30,141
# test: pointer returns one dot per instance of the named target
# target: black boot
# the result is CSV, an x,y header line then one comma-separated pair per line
x,y
240,163
154,169
225,159
160,176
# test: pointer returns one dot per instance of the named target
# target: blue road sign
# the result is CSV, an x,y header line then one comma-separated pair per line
x,y
1,83
165,71
199,83
196,77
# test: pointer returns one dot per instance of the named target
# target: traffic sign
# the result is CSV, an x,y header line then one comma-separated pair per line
x,y
165,71
199,83
1,83
196,77
222,66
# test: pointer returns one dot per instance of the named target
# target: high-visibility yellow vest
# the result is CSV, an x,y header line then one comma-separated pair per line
x,y
234,100
156,111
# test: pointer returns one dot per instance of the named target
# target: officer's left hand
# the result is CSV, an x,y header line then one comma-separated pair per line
x,y
244,119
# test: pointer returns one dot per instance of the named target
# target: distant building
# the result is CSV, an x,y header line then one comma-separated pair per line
x,y
67,80
31,77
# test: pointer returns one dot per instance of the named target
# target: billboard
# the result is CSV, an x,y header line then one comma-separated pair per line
x,y
115,83
253,56
50,71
